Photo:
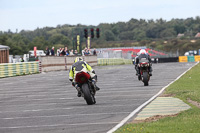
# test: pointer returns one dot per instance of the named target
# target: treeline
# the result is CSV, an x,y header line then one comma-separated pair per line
x,y
159,34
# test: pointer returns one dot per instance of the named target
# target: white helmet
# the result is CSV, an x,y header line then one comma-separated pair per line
x,y
143,51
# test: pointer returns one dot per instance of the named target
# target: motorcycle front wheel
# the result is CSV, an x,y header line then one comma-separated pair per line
x,y
146,78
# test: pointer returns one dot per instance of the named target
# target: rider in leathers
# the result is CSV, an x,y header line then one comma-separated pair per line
x,y
143,54
78,66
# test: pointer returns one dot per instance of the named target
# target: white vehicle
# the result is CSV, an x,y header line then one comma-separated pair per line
x,y
38,52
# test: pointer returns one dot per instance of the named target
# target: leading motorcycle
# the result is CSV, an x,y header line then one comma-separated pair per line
x,y
86,88
144,71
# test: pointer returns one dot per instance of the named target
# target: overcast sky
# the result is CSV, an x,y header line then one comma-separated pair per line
x,y
30,14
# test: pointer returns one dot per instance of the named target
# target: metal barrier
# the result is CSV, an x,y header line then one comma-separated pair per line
x,y
113,61
16,69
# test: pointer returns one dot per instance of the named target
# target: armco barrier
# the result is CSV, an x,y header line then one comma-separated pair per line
x,y
114,61
15,69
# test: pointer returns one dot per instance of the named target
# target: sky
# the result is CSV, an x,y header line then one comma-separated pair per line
x,y
33,14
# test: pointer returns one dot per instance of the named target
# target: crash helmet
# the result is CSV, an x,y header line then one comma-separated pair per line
x,y
143,51
78,59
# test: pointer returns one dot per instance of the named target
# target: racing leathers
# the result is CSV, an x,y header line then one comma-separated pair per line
x,y
146,56
80,66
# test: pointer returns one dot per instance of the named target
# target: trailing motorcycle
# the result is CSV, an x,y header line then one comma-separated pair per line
x,y
144,71
86,87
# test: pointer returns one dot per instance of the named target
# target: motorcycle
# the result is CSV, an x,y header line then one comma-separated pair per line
x,y
144,71
86,88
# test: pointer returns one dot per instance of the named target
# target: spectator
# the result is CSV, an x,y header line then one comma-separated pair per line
x,y
83,52
21,59
94,52
63,53
52,51
47,51
59,51
87,52
71,53
75,52
66,51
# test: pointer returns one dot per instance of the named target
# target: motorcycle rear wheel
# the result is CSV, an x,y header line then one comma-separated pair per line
x,y
89,98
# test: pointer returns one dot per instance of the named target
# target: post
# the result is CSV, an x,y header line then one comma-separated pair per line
x,y
88,42
78,43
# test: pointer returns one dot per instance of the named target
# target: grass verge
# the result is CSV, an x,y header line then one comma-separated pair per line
x,y
187,88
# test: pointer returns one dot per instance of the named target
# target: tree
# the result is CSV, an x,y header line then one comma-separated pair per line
x,y
179,29
168,33
109,36
59,39
38,42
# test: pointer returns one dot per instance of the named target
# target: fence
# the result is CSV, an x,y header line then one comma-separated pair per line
x,y
16,69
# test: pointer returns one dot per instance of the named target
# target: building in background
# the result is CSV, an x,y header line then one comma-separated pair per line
x,y
198,35
4,54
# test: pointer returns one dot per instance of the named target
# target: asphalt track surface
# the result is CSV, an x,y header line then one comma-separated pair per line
x,y
47,103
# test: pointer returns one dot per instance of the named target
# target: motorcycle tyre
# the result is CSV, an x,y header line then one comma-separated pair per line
x,y
146,78
89,98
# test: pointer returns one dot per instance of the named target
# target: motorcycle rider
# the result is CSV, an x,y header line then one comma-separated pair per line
x,y
78,66
143,54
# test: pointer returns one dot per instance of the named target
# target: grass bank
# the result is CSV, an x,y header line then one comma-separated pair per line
x,y
187,88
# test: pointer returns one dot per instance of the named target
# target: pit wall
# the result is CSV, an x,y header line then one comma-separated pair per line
x,y
55,63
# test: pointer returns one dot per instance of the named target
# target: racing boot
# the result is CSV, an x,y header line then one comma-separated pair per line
x,y
137,70
94,84
78,89
150,71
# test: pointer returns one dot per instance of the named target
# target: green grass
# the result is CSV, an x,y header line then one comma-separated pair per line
x,y
188,86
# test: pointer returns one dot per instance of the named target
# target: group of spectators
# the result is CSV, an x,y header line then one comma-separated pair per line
x,y
66,52
88,51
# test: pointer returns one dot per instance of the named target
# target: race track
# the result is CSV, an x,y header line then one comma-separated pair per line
x,y
47,103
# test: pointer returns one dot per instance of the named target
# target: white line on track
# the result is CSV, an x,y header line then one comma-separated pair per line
x,y
36,110
63,95
94,114
45,104
44,99
47,99
77,107
123,95
30,93
146,103
58,93
33,88
57,125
